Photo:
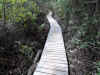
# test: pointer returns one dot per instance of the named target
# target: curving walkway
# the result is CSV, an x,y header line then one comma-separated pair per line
x,y
53,60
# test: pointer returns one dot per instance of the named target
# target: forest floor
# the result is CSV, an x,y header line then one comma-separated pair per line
x,y
19,48
81,61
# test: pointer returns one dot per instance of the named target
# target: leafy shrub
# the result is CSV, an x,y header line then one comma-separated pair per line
x,y
27,51
20,10
98,68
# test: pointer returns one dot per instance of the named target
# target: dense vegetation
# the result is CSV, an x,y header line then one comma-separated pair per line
x,y
22,20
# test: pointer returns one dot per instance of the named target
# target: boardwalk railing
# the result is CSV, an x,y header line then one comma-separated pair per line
x,y
53,60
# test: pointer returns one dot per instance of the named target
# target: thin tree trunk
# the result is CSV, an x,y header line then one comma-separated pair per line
x,y
75,4
4,12
98,7
75,7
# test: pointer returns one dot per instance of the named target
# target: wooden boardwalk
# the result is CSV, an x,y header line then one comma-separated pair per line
x,y
53,60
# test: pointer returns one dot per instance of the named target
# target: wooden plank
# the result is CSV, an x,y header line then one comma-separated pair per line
x,y
54,64
52,67
56,72
55,55
56,52
63,60
59,50
62,69
59,58
55,61
42,73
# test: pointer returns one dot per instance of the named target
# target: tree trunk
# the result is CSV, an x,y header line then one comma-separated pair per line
x,y
98,7
75,4
75,15
4,12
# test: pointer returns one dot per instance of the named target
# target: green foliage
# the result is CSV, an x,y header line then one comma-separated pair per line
x,y
20,10
61,6
41,27
86,30
27,51
98,68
